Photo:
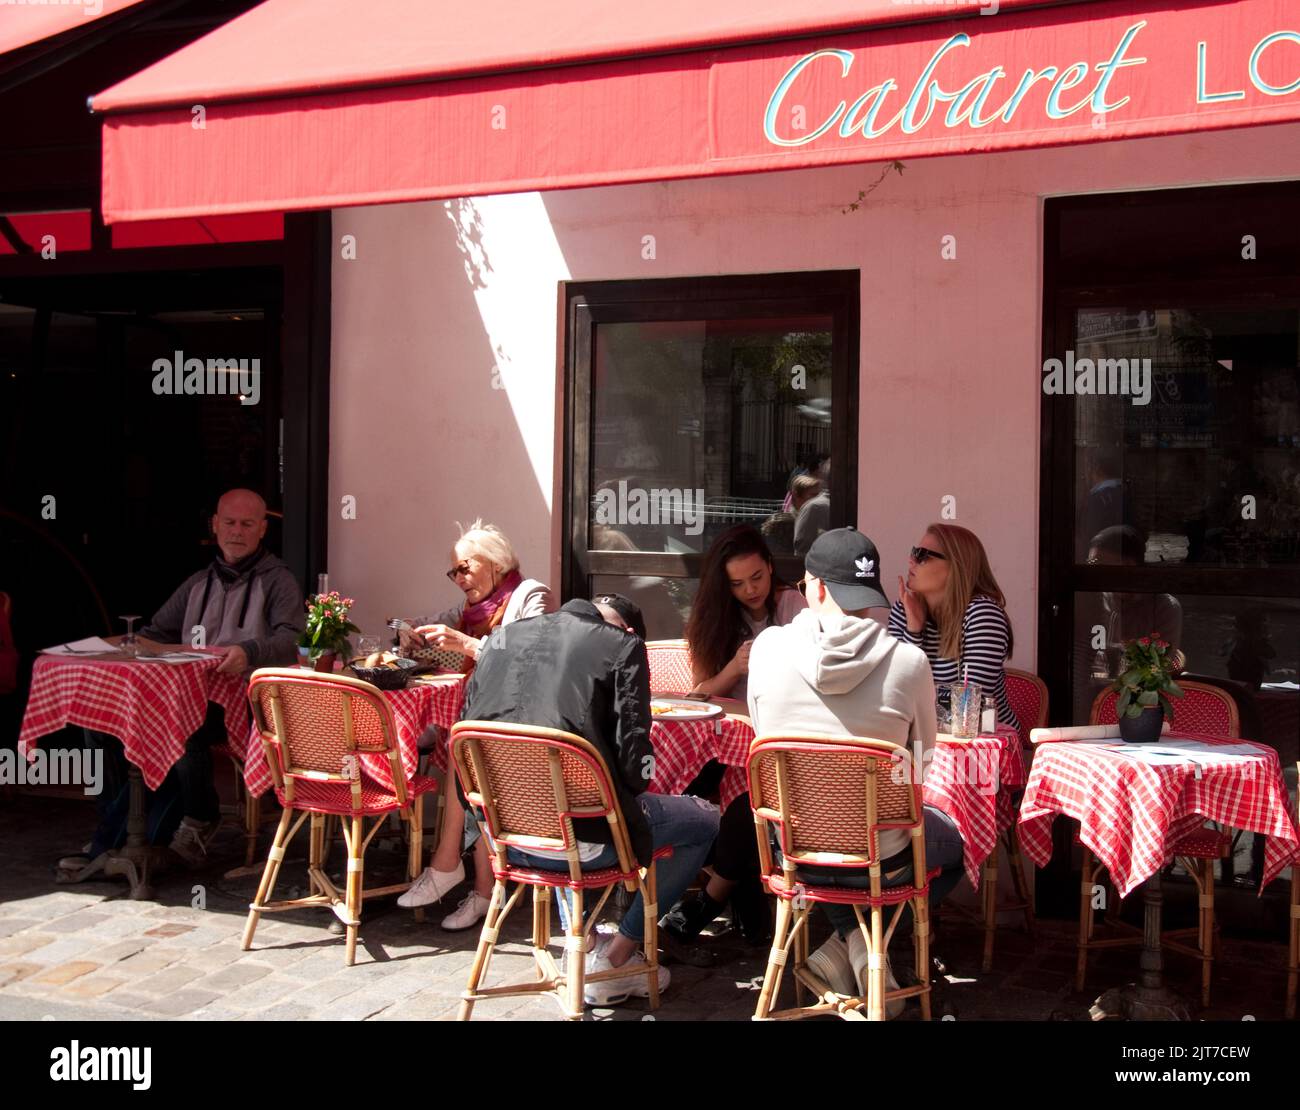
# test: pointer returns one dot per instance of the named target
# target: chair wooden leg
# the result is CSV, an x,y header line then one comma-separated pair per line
x,y
487,939
252,819
1085,919
356,873
1293,970
775,961
541,927
1019,877
989,882
876,966
269,873
921,941
1206,899
650,941
576,942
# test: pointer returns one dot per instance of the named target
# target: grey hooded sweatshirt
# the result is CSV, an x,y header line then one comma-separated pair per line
x,y
255,604
835,675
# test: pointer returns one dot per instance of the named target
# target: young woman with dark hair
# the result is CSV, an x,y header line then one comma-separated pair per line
x,y
739,596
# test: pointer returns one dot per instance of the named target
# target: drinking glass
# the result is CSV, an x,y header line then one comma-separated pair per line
x,y
368,645
128,645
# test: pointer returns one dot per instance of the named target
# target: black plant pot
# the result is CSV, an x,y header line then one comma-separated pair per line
x,y
1144,728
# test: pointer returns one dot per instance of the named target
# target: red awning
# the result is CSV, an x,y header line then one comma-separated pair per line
x,y
297,106
26,23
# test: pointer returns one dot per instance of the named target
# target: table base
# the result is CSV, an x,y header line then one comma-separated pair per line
x,y
135,859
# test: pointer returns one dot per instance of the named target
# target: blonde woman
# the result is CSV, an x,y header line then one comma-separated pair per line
x,y
485,568
951,607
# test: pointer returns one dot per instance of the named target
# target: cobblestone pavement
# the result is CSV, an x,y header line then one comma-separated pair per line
x,y
89,952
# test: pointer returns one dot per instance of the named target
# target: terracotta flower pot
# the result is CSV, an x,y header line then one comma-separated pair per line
x,y
1144,728
324,662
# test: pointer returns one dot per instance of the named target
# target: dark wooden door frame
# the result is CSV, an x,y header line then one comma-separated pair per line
x,y
584,305
304,257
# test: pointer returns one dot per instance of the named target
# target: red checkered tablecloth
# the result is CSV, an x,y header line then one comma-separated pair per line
x,y
682,748
153,708
423,703
1131,813
972,782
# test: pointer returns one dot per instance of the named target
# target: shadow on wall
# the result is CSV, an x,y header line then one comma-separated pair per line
x,y
423,433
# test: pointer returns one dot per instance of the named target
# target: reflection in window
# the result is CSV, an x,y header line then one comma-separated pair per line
x,y
699,425
665,602
1208,468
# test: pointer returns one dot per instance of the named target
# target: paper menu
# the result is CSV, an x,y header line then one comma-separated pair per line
x,y
92,645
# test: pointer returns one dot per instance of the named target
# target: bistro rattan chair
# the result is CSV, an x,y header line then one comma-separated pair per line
x,y
317,729
528,784
1202,708
826,800
670,666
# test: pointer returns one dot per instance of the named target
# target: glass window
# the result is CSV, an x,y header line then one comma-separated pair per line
x,y
1195,443
697,404
703,424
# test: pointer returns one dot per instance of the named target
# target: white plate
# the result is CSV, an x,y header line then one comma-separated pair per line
x,y
684,710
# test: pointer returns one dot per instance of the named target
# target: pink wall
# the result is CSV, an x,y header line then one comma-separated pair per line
x,y
445,303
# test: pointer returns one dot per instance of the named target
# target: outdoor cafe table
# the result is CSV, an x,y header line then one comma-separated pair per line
x,y
153,708
970,780
1131,812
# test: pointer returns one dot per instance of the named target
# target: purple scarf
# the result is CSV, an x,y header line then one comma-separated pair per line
x,y
482,616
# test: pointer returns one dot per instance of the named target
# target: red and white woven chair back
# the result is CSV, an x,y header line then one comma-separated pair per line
x,y
822,794
528,783
670,666
1202,708
1027,694
317,721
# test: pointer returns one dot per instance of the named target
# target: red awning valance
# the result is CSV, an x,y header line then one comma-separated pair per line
x,y
296,106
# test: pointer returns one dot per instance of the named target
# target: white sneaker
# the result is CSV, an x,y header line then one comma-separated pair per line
x,y
431,886
595,943
831,963
857,949
610,992
473,907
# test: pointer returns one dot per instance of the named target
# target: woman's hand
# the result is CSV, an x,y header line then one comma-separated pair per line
x,y
448,639
408,638
914,608
740,661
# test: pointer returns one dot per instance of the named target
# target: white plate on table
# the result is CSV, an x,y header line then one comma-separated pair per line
x,y
683,709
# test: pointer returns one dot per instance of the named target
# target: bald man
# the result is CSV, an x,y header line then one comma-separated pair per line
x,y
245,601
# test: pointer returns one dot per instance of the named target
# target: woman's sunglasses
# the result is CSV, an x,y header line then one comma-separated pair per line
x,y
458,570
921,554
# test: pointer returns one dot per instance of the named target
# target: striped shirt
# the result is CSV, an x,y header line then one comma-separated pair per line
x,y
986,633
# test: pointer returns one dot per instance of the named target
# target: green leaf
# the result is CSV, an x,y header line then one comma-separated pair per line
x,y
1173,689
1148,698
1125,699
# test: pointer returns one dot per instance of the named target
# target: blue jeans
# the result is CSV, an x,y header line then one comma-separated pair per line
x,y
688,824
943,849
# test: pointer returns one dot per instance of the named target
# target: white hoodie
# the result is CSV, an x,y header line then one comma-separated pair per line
x,y
836,675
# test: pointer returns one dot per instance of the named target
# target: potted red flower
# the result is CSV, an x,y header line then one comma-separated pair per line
x,y
1146,686
326,635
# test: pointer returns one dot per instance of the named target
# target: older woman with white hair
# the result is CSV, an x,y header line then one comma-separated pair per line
x,y
485,567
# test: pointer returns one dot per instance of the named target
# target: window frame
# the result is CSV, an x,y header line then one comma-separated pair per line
x,y
586,305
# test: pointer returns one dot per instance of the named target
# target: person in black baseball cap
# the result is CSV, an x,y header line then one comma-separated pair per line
x,y
849,564
835,671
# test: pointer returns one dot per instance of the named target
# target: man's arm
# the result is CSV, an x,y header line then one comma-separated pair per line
x,y
287,617
165,625
632,709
